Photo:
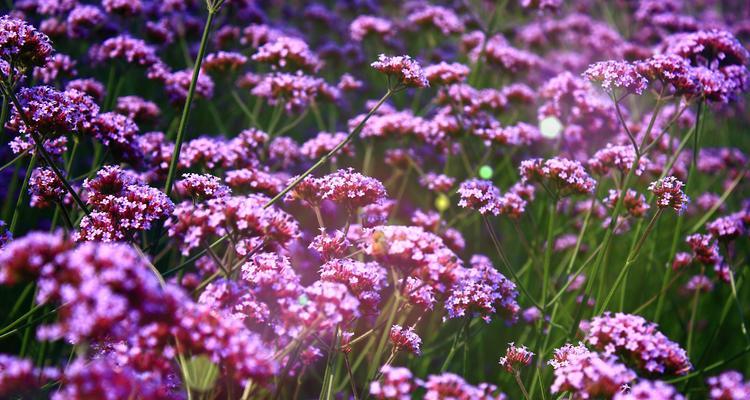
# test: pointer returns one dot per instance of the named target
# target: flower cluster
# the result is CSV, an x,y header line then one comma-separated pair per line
x,y
21,45
637,339
482,291
729,385
562,175
586,374
405,339
121,205
404,69
669,193
617,75
515,357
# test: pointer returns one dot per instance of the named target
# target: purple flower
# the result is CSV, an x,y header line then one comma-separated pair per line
x,y
223,61
83,19
254,180
586,374
351,189
56,67
705,249
364,280
563,175
617,74
446,74
729,385
669,193
125,48
415,252
404,69
444,19
638,340
19,376
51,112
616,157
121,206
323,143
122,7
671,70
437,182
295,91
405,339
515,358
46,189
480,195
649,390
452,386
137,108
396,383
286,52
24,258
728,227
21,45
365,25
176,84
200,187
482,291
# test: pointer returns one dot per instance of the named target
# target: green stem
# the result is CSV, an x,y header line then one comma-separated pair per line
x,y
548,252
632,256
39,142
188,102
22,195
331,153
506,262
454,345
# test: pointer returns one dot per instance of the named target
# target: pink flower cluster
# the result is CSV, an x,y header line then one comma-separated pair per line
x,y
636,339
404,69
560,175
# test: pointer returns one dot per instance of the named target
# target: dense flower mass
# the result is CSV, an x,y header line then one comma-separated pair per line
x,y
374,199
21,45
586,374
636,339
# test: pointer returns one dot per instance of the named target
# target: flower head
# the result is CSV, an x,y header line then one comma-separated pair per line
x,y
515,358
564,175
396,383
637,339
586,374
405,339
617,74
729,385
480,195
403,68
669,193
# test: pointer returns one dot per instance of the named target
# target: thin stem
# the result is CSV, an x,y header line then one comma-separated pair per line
x,y
693,315
504,259
39,142
189,101
454,346
517,376
21,195
625,125
548,252
13,161
630,260
331,153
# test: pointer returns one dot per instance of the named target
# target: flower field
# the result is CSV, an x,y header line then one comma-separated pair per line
x,y
357,199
